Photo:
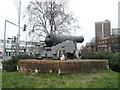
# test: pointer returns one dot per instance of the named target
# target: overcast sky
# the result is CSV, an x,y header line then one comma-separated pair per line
x,y
87,11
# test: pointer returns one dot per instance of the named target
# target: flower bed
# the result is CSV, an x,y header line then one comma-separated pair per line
x,y
62,67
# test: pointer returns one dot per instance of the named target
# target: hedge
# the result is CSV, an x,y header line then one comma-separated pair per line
x,y
114,59
69,66
100,55
11,64
114,62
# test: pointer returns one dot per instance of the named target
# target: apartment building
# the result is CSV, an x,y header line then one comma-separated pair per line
x,y
102,29
25,47
111,44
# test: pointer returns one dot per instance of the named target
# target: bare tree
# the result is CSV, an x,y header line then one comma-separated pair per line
x,y
50,17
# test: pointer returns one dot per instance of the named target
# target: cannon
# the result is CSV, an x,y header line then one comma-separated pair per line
x,y
53,39
56,45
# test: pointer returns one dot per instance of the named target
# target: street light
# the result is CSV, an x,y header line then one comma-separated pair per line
x,y
4,43
19,15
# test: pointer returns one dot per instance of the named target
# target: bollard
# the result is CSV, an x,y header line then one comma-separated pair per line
x,y
36,70
58,71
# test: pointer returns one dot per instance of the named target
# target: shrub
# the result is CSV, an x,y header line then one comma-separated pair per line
x,y
114,59
11,64
114,62
100,55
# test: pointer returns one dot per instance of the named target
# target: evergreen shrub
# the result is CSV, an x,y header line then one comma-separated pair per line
x,y
11,64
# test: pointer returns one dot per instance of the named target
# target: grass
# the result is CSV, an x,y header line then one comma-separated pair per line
x,y
100,79
0,80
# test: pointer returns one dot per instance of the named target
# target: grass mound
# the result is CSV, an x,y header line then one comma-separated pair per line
x,y
101,79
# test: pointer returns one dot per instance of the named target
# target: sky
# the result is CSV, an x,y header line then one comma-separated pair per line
x,y
87,12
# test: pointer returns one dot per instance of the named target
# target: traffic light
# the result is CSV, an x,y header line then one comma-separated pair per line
x,y
25,26
14,40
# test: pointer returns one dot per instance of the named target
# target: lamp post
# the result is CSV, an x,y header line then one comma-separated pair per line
x,y
19,15
4,43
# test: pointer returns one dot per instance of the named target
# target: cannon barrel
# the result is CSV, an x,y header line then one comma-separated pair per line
x,y
53,39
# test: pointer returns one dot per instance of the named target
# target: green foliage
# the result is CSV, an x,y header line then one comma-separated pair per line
x,y
115,62
11,65
101,79
114,59
100,55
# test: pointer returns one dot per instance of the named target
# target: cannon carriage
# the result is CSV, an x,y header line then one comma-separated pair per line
x,y
56,45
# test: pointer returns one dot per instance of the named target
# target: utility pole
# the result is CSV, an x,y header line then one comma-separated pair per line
x,y
4,43
19,15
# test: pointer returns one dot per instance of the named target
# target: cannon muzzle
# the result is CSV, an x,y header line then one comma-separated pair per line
x,y
54,39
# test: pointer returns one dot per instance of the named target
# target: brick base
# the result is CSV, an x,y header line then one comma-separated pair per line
x,y
61,67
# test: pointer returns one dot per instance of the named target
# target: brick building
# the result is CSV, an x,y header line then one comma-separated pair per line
x,y
102,32
115,31
111,44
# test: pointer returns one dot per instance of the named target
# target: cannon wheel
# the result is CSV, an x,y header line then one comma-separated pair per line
x,y
78,54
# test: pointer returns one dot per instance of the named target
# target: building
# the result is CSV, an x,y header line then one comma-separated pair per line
x,y
116,31
102,29
111,44
114,42
26,47
103,44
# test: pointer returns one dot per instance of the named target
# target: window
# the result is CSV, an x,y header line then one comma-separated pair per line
x,y
22,42
1,41
112,40
117,45
105,49
102,41
106,41
1,46
8,42
105,45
